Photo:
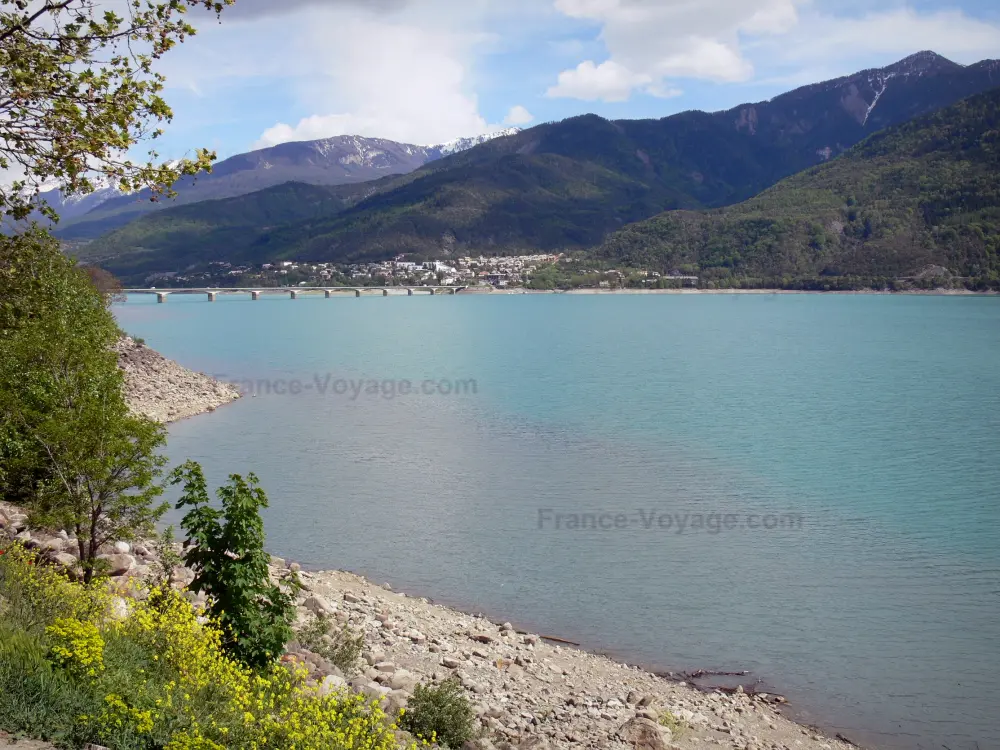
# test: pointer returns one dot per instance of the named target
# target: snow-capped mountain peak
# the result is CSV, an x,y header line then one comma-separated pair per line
x,y
464,144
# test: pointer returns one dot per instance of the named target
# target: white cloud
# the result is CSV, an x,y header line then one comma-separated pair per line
x,y
390,77
518,115
610,82
823,40
651,43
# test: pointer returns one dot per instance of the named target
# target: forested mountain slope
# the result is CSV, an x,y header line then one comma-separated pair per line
x,y
914,200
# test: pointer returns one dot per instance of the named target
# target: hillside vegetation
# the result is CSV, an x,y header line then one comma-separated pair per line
x,y
558,186
925,194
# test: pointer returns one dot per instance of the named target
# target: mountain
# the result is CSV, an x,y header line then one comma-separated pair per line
x,y
920,200
340,160
566,185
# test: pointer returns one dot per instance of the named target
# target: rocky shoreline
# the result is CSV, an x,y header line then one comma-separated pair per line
x,y
529,693
161,389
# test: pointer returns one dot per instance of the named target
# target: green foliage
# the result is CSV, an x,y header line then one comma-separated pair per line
x,y
676,726
226,552
78,89
71,451
925,194
341,647
36,699
155,677
440,713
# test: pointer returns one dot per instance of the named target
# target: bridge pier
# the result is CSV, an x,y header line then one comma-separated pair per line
x,y
211,296
293,293
327,293
409,292
432,291
255,296
357,292
161,297
385,292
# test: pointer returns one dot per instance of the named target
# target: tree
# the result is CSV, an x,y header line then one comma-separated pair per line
x,y
69,448
106,283
78,90
225,548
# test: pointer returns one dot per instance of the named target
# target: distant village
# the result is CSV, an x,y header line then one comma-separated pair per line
x,y
538,271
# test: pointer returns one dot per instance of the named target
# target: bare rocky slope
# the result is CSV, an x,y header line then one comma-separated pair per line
x,y
161,389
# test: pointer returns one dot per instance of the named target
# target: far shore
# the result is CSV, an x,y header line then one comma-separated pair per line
x,y
921,292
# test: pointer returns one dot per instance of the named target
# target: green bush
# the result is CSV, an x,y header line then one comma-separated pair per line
x,y
226,552
440,713
36,699
155,677
340,647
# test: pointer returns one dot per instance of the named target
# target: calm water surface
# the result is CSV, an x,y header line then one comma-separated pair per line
x,y
875,420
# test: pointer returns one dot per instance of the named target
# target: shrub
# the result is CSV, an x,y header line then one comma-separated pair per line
x,y
226,552
440,713
341,647
166,682
676,726
76,646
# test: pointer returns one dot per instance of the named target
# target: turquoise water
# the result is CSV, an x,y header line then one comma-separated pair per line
x,y
864,429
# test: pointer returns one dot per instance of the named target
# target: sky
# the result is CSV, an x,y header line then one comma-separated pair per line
x,y
427,71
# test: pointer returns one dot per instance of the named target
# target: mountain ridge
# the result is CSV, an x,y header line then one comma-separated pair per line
x,y
337,160
919,200
566,185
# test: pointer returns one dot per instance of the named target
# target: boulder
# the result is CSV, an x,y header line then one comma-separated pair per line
x,y
122,548
65,559
118,565
395,701
53,545
331,684
403,680
645,734
319,606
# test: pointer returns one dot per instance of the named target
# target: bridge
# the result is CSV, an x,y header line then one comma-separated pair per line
x,y
296,292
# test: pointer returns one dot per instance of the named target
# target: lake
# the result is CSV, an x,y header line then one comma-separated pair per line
x,y
804,486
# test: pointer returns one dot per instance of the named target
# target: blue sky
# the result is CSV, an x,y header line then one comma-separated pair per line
x,y
426,71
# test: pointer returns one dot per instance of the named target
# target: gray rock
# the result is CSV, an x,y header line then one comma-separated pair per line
x,y
450,662
351,598
53,545
331,684
122,548
319,606
65,559
644,734
118,565
385,666
536,743
403,680
395,701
